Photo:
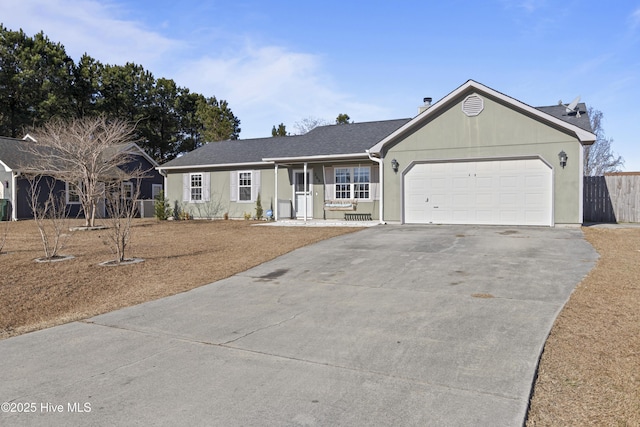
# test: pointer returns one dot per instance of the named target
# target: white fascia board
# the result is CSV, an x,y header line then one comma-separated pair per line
x,y
6,167
143,153
316,158
583,136
215,166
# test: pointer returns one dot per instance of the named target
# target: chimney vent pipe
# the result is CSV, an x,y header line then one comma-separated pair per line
x,y
424,107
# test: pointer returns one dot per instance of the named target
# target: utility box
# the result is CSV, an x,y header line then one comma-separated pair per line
x,y
4,209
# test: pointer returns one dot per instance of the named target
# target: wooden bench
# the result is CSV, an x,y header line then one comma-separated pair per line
x,y
357,217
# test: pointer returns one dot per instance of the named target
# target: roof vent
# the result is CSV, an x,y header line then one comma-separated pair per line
x,y
472,105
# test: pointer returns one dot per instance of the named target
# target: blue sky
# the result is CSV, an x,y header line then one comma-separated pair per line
x,y
283,61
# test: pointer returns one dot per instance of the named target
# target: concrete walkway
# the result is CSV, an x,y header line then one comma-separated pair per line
x,y
388,326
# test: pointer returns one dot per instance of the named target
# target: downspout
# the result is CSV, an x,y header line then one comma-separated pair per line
x,y
580,187
164,181
379,161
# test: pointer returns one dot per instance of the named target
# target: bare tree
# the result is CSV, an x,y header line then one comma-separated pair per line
x,y
49,214
84,152
121,197
308,123
599,158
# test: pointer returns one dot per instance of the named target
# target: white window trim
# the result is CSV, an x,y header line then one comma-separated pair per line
x,y
67,193
250,187
155,193
127,190
352,182
191,187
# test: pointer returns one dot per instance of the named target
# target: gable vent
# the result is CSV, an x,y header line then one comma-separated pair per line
x,y
472,105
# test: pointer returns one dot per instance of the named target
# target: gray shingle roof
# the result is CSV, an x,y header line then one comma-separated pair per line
x,y
330,140
560,112
13,154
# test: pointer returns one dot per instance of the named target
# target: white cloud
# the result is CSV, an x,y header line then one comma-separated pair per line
x,y
264,85
267,85
88,26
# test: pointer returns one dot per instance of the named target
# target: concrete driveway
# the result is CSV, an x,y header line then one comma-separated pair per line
x,y
392,325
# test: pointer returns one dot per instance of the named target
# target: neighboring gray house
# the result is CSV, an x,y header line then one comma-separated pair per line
x,y
15,188
477,156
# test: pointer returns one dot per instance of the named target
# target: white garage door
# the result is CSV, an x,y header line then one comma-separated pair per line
x,y
499,192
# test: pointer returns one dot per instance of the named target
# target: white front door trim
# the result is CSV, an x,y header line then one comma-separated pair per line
x,y
303,210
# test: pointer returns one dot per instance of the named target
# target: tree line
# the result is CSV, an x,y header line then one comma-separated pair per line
x,y
39,82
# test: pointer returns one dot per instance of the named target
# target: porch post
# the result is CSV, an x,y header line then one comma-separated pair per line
x,y
381,188
304,173
275,209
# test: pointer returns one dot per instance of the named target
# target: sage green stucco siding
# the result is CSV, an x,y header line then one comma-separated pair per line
x,y
319,188
497,132
220,200
220,194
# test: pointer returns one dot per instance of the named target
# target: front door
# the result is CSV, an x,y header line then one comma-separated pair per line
x,y
303,195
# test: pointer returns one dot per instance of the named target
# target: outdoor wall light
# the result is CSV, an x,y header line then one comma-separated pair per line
x,y
395,165
6,184
563,158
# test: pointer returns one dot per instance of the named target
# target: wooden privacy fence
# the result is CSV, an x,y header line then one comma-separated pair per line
x,y
614,197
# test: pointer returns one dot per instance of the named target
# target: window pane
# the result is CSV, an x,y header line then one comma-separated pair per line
x,y
196,186
245,178
361,191
245,193
74,196
128,190
244,186
343,191
360,174
343,176
361,178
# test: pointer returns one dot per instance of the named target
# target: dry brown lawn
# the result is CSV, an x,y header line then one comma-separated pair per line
x,y
178,256
589,373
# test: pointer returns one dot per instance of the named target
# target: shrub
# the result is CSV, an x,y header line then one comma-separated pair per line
x,y
161,207
259,210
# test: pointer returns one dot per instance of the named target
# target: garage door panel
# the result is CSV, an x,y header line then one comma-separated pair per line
x,y
484,200
509,192
439,183
532,200
483,216
508,182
